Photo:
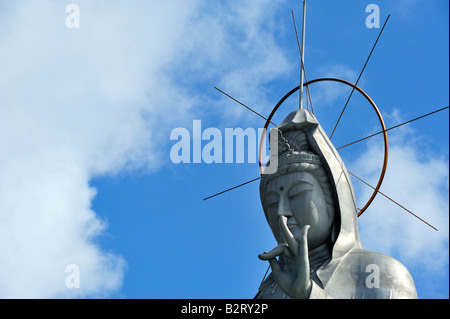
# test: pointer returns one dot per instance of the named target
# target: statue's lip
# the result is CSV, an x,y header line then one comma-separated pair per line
x,y
291,222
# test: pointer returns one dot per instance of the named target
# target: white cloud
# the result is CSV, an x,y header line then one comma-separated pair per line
x,y
237,48
417,178
78,103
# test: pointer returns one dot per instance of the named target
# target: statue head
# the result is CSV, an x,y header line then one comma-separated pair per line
x,y
309,164
299,190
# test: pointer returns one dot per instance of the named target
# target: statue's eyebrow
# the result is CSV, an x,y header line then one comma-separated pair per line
x,y
299,187
301,181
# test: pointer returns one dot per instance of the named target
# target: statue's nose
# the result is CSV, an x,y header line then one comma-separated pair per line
x,y
282,211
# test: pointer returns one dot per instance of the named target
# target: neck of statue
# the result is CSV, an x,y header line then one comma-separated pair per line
x,y
319,254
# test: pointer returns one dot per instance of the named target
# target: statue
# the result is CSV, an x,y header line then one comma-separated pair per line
x,y
310,206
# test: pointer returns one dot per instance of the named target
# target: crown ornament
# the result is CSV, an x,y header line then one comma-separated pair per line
x,y
293,147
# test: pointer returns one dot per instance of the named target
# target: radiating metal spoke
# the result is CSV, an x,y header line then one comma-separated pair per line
x,y
250,109
361,180
391,128
230,189
397,126
362,71
264,278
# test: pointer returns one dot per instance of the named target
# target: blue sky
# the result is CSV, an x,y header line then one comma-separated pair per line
x,y
86,115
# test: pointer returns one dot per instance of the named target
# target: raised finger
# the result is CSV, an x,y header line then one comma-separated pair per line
x,y
277,251
290,239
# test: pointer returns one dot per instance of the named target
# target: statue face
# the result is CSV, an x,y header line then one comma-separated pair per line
x,y
299,197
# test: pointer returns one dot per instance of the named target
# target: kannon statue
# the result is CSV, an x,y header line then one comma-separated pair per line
x,y
310,206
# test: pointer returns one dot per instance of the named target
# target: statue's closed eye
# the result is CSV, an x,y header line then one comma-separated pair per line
x,y
272,199
299,189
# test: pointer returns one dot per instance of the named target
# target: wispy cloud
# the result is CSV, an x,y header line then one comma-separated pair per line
x,y
79,103
234,45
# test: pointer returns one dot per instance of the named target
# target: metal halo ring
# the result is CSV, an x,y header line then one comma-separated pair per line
x,y
380,118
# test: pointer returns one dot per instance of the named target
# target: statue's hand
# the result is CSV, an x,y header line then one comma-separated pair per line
x,y
294,278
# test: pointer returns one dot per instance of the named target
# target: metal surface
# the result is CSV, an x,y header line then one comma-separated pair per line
x,y
302,66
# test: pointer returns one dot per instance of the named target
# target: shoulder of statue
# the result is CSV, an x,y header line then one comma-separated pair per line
x,y
372,275
393,273
366,257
